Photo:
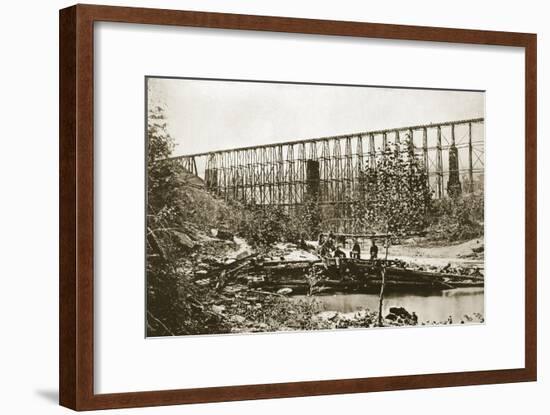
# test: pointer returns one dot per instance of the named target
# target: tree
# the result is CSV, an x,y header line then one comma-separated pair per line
x,y
175,305
397,198
309,218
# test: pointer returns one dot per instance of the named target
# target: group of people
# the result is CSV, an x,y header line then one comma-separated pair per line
x,y
329,246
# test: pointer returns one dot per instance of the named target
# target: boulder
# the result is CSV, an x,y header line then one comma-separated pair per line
x,y
391,317
225,235
185,240
400,312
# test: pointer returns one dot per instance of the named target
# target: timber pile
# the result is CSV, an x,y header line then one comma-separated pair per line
x,y
295,271
352,275
275,276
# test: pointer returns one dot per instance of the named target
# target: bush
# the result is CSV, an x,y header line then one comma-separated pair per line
x,y
458,219
265,225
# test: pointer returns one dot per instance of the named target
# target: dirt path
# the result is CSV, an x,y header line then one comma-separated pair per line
x,y
460,254
446,251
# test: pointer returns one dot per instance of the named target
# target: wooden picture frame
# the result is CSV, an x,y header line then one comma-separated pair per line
x,y
76,305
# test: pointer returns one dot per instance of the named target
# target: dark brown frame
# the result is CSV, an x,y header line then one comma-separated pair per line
x,y
76,155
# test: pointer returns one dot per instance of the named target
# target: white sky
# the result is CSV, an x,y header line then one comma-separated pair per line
x,y
205,115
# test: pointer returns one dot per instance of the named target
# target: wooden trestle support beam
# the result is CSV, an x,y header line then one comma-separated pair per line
x,y
329,168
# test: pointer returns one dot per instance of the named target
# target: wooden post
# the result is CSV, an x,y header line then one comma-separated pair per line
x,y
273,177
439,165
280,175
410,144
372,151
290,179
425,153
470,160
263,176
336,179
397,142
241,171
383,285
360,159
326,172
381,300
453,141
348,165
302,171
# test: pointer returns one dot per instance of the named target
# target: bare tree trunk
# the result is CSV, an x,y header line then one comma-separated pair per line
x,y
383,273
381,300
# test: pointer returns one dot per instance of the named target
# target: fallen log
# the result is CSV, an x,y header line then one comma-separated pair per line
x,y
291,261
404,272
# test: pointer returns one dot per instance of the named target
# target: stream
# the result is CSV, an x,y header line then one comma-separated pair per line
x,y
433,306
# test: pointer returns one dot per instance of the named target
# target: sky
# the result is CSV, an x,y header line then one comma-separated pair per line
x,y
208,115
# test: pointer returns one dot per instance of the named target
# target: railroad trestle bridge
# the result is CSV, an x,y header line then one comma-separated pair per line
x,y
285,173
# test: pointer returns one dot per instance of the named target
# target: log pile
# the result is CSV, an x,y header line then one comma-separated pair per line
x,y
289,270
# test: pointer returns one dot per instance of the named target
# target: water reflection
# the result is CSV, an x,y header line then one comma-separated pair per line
x,y
432,306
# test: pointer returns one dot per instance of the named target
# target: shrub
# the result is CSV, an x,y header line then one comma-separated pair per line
x,y
458,219
265,225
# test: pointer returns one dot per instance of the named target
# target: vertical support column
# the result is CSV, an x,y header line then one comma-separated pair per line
x,y
360,168
291,179
397,142
273,176
326,174
232,179
261,177
235,168
207,173
348,168
223,168
301,171
241,171
358,193
242,175
453,141
348,185
226,174
372,151
439,164
360,158
470,159
194,166
210,173
280,175
216,159
425,154
245,179
336,177
252,173
236,174
313,150
229,168
454,187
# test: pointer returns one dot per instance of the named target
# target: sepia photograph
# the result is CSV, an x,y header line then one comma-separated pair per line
x,y
278,206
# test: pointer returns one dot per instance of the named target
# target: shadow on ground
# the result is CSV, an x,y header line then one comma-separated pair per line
x,y
50,395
